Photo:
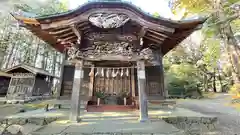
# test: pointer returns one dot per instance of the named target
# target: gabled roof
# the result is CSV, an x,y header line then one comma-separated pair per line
x,y
57,29
5,74
31,69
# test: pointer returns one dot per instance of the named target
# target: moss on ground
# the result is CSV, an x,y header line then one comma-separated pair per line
x,y
209,95
35,105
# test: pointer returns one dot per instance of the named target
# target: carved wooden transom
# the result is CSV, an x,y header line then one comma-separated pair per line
x,y
108,20
113,48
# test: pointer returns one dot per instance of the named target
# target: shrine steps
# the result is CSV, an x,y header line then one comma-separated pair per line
x,y
110,108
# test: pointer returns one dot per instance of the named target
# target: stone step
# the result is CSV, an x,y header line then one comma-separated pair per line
x,y
110,108
110,127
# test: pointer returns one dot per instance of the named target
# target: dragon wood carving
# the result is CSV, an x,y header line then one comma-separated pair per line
x,y
105,49
106,20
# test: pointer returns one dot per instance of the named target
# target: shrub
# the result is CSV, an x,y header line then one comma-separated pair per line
x,y
182,80
100,94
235,89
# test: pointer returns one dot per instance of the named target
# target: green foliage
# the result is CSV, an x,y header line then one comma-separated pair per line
x,y
52,7
194,6
175,86
18,45
211,52
100,94
156,14
181,79
235,25
235,89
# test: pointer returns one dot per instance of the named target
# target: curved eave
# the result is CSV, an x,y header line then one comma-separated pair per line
x,y
25,20
181,29
121,5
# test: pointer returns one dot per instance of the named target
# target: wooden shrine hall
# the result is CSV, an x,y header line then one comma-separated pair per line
x,y
112,49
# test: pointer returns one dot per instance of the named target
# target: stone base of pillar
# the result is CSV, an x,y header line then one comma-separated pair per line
x,y
143,120
166,94
73,119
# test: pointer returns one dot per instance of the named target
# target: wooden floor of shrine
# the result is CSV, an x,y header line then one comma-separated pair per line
x,y
110,108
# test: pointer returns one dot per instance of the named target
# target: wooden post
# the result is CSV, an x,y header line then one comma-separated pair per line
x,y
143,116
33,87
162,87
75,100
133,84
61,75
91,82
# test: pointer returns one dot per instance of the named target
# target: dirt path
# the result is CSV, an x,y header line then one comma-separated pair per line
x,y
228,117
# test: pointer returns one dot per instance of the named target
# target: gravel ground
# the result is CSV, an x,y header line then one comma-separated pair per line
x,y
228,117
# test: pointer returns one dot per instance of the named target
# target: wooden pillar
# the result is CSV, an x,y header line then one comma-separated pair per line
x,y
143,116
61,75
91,82
162,84
75,99
133,84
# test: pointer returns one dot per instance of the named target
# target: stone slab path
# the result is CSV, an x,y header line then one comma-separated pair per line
x,y
64,113
104,126
108,122
228,117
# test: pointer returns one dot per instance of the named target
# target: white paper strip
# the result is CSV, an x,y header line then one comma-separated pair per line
x,y
141,74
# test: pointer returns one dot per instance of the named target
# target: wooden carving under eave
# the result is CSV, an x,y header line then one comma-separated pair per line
x,y
142,32
109,51
110,37
108,20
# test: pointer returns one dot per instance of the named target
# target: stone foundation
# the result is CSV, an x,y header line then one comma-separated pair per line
x,y
22,126
193,125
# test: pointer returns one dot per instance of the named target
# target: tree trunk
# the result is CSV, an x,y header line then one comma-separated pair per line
x,y
230,42
36,53
220,80
54,53
205,81
214,81
10,55
4,44
14,56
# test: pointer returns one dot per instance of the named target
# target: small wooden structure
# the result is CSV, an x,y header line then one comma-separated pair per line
x,y
4,83
111,47
28,82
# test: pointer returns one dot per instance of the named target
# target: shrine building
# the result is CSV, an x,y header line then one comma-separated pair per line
x,y
28,83
112,49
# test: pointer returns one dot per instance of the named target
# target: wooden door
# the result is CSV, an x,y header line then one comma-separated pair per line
x,y
113,84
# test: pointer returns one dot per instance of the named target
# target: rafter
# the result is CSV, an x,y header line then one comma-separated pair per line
x,y
58,32
155,40
65,35
66,39
67,43
79,25
154,36
77,33
157,33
